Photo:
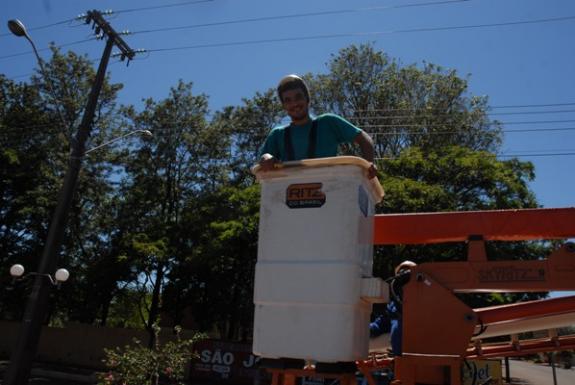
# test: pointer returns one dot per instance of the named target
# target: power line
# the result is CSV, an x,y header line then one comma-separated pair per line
x,y
439,114
451,132
264,18
536,155
519,154
83,16
429,125
44,26
298,15
91,61
488,107
539,130
444,125
301,38
525,153
359,34
44,126
535,105
183,3
47,49
539,122
50,127
17,131
538,151
502,155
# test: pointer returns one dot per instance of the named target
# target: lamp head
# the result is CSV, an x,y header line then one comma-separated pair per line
x,y
62,275
17,28
17,270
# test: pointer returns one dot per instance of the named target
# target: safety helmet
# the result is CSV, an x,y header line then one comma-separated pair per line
x,y
405,265
290,82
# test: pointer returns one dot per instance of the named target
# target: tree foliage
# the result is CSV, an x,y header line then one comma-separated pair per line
x,y
403,106
36,125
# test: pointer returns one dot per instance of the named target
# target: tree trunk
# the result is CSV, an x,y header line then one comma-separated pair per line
x,y
155,306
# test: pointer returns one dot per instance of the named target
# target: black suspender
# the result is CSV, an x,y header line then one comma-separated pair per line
x,y
312,140
289,152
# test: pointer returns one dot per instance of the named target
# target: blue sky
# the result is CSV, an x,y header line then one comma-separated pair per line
x,y
515,65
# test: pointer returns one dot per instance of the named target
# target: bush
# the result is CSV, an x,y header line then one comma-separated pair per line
x,y
140,365
538,360
566,358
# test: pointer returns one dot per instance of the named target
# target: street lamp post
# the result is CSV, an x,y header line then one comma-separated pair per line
x,y
36,308
144,132
61,275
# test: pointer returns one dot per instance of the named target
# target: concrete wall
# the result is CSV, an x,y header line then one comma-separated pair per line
x,y
77,344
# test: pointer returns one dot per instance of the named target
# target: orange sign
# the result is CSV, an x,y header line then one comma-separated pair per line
x,y
304,195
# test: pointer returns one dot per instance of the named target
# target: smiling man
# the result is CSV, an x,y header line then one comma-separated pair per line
x,y
306,137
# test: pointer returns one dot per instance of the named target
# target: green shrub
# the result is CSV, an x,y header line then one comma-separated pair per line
x,y
566,358
139,365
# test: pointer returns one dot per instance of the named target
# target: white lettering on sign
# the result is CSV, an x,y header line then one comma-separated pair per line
x,y
217,357
205,356
222,369
250,361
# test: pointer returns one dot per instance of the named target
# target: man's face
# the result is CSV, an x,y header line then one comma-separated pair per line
x,y
295,104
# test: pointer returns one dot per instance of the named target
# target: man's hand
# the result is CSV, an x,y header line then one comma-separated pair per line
x,y
372,171
366,145
268,162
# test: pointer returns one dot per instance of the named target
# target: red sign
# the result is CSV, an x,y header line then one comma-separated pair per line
x,y
304,195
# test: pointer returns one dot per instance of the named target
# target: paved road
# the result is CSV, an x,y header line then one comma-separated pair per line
x,y
55,375
536,374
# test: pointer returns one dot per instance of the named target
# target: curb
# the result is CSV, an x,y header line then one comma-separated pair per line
x,y
87,379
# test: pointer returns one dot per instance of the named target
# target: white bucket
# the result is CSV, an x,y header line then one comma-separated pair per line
x,y
314,286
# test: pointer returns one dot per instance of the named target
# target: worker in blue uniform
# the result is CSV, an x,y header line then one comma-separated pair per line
x,y
390,321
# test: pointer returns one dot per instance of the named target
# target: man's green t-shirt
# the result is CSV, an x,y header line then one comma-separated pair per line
x,y
332,130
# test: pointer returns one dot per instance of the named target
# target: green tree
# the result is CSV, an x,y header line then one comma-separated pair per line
x,y
403,106
162,174
455,178
37,122
216,280
87,244
245,128
23,178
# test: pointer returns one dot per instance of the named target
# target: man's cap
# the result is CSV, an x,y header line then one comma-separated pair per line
x,y
290,82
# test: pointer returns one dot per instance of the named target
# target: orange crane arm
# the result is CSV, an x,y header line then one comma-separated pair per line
x,y
522,310
497,225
